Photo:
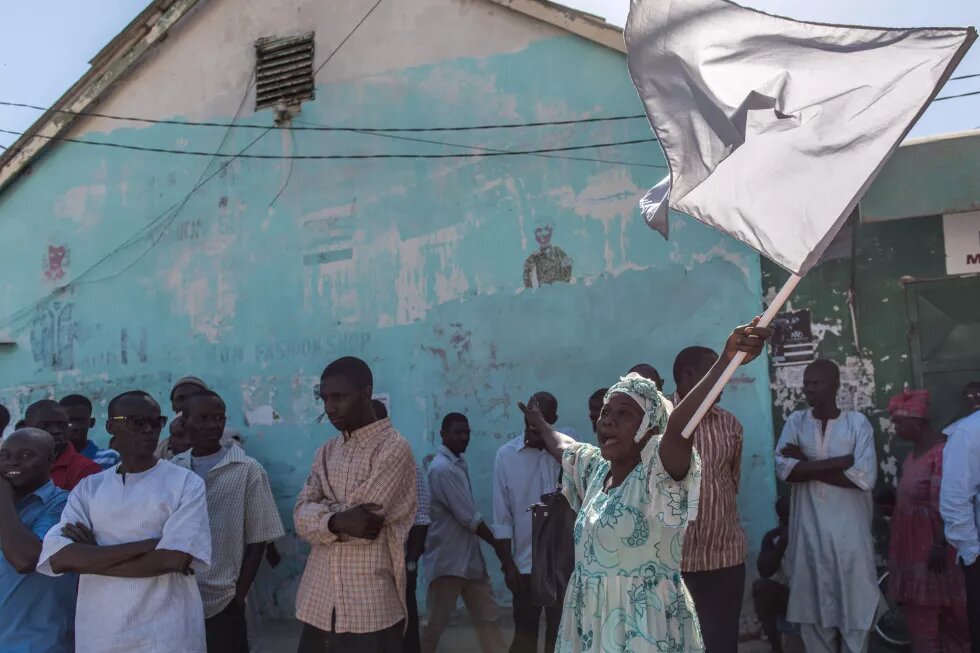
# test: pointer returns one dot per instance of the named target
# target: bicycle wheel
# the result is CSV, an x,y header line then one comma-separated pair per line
x,y
890,625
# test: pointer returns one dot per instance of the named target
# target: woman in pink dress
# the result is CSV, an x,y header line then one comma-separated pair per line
x,y
924,576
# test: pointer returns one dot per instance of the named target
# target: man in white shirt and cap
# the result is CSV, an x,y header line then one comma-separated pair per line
x,y
522,472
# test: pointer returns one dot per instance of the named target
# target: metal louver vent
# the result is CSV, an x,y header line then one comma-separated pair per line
x,y
284,70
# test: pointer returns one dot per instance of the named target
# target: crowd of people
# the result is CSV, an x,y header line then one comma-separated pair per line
x,y
154,545
817,568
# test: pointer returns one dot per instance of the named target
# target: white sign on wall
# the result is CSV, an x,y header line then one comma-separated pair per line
x,y
961,232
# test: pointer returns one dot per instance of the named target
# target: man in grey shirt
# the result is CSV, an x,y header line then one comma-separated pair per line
x,y
453,562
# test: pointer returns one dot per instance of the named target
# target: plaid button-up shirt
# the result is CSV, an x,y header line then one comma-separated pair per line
x,y
352,585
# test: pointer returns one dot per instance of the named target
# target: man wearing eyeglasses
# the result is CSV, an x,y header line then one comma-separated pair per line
x,y
69,467
135,535
243,520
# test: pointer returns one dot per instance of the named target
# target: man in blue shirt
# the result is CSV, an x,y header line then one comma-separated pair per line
x,y
80,421
452,560
37,612
959,502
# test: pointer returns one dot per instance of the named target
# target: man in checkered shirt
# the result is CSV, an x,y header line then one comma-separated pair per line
x,y
242,514
355,510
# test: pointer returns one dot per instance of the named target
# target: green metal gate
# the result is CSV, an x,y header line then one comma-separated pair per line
x,y
944,333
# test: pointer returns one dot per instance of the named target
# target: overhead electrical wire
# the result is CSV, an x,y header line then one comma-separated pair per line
x,y
497,150
362,129
335,157
953,97
347,38
328,128
202,179
354,129
338,128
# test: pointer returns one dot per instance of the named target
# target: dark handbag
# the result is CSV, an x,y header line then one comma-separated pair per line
x,y
552,548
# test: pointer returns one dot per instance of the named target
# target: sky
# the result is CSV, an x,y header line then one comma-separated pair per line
x,y
955,115
72,33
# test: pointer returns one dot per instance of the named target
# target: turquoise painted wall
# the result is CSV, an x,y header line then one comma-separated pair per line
x,y
415,265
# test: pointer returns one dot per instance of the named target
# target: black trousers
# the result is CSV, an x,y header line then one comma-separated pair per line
x,y
314,640
771,600
526,619
225,632
410,643
972,574
718,601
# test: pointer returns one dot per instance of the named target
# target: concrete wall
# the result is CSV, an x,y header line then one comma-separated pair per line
x,y
273,269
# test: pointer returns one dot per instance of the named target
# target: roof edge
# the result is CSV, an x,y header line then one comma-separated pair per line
x,y
936,138
577,22
111,63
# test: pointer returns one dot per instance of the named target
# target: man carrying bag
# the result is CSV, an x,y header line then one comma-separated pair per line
x,y
523,472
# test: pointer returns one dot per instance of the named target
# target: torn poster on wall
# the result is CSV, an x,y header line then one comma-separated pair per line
x,y
792,339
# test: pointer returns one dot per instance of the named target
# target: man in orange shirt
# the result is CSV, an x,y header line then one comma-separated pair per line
x,y
69,467
355,510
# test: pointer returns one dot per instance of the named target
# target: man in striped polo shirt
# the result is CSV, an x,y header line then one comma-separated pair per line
x,y
713,560
242,515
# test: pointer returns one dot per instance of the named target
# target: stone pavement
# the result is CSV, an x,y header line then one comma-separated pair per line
x,y
283,637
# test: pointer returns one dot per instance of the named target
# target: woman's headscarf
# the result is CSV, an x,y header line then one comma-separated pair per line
x,y
656,407
910,403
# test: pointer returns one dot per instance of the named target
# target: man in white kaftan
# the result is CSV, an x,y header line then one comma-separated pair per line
x,y
133,533
828,455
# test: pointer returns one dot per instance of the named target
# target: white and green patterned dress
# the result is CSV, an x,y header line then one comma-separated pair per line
x,y
626,594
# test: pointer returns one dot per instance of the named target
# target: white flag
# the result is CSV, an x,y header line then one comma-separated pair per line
x,y
773,128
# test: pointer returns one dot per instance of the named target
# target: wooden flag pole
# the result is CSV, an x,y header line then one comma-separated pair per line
x,y
767,317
